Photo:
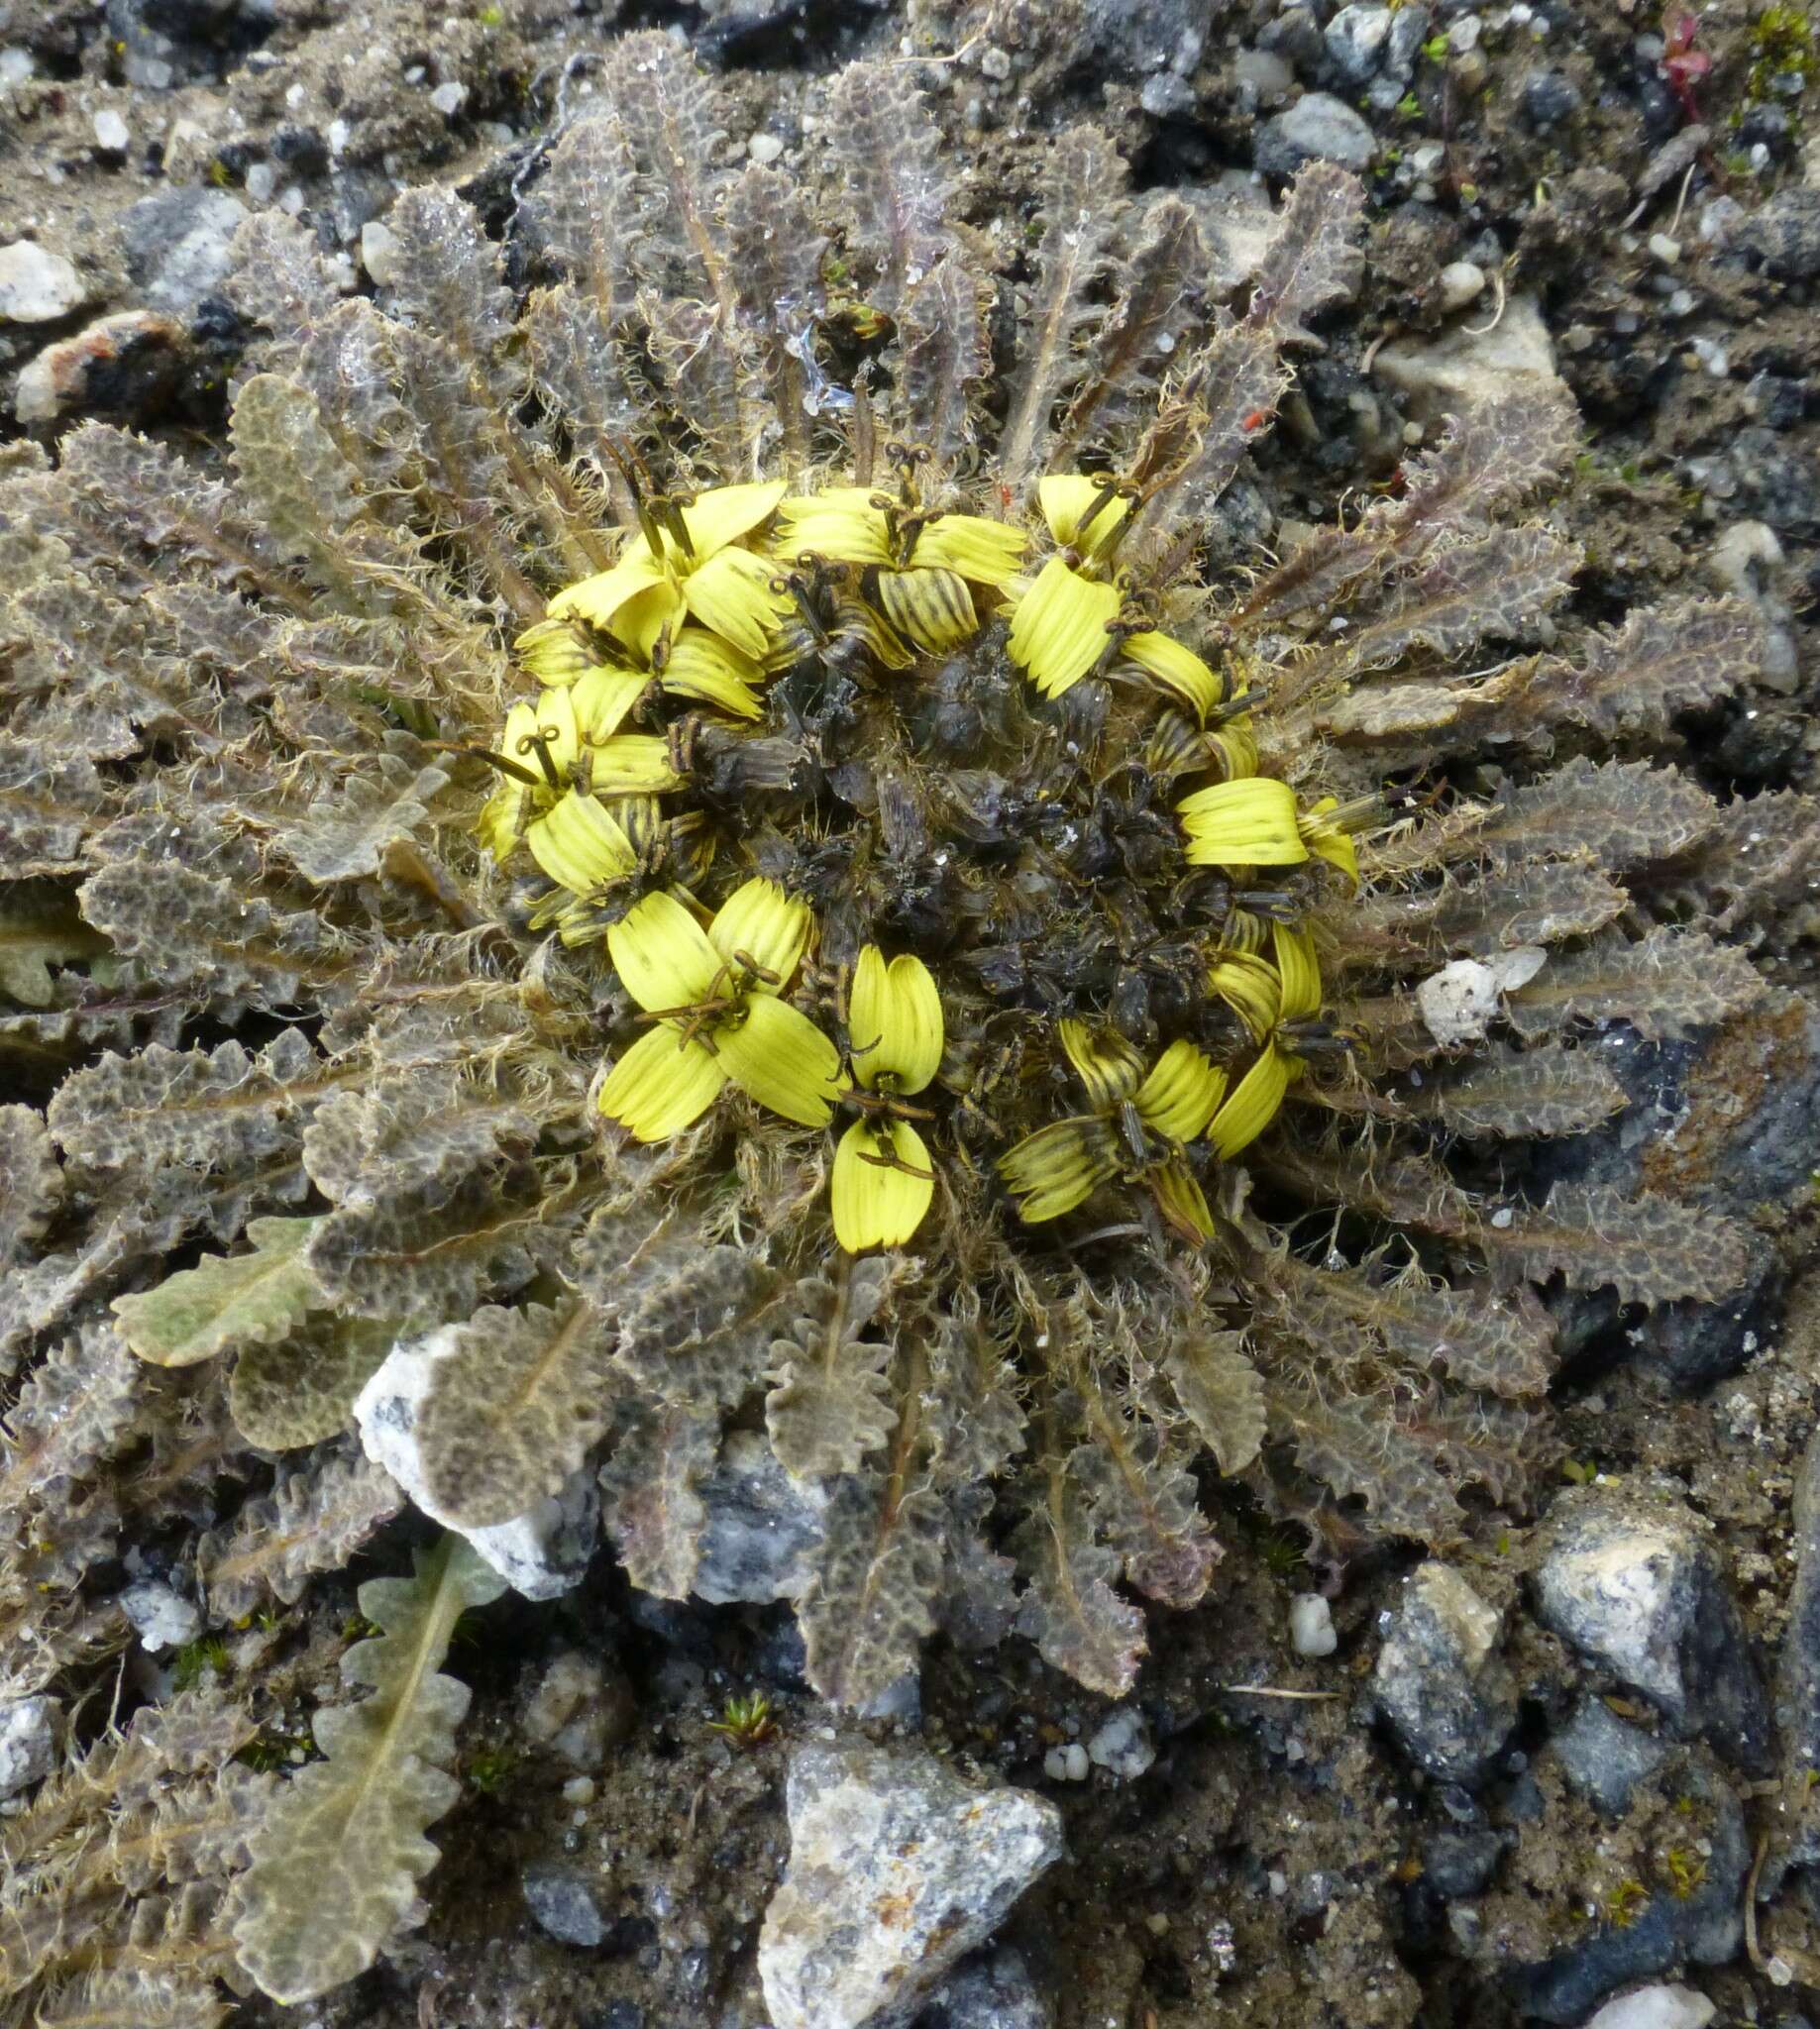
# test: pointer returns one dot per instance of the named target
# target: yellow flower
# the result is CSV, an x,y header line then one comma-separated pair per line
x,y
924,563
1061,627
1179,670
714,997
1059,1167
567,736
687,566
1250,822
1254,1101
694,663
1066,499
883,1181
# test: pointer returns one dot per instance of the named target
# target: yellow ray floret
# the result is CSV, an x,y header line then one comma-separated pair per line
x,y
567,736
644,596
1252,1103
1300,970
580,844
881,1185
1059,629
1108,1065
1066,498
883,1179
715,995
1250,822
894,1022
1060,1166
1328,842
1179,670
860,525
1179,1095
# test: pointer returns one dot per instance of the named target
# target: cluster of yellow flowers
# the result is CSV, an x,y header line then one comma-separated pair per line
x,y
695,605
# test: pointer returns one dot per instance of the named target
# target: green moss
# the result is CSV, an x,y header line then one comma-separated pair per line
x,y
199,1659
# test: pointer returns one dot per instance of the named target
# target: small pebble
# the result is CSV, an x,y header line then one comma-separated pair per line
x,y
1665,250
448,99
380,252
995,64
37,286
1461,282
1656,2007
262,181
1310,1625
1122,1746
1066,1764
111,133
764,148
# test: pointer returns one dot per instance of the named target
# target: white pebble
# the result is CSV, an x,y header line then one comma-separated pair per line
x,y
111,133
1665,250
1656,2007
380,252
1123,1745
995,64
37,286
764,148
448,99
1310,1625
1461,282
1066,1764
262,181
161,1617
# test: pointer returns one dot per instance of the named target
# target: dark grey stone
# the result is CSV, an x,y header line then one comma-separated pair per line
x,y
1440,1681
1639,1586
1550,97
1456,1863
1785,233
1316,128
179,245
1604,1758
563,1905
991,1990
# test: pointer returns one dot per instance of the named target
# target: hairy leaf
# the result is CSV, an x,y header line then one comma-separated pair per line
x,y
513,1410
1313,258
896,184
226,1300
348,841
1619,813
831,1404
1082,197
1506,1093
649,1493
1385,1452
314,1520
1158,309
1667,985
583,211
946,357
698,1323
1221,1391
871,1601
1071,1611
1651,1250
299,1389
337,1862
1144,1505
31,1183
1664,660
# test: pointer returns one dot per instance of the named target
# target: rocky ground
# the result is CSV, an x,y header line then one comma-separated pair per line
x,y
1515,1784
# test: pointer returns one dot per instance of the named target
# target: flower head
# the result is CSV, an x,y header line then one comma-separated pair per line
x,y
1137,1130
714,995
883,1181
1076,614
685,561
924,564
